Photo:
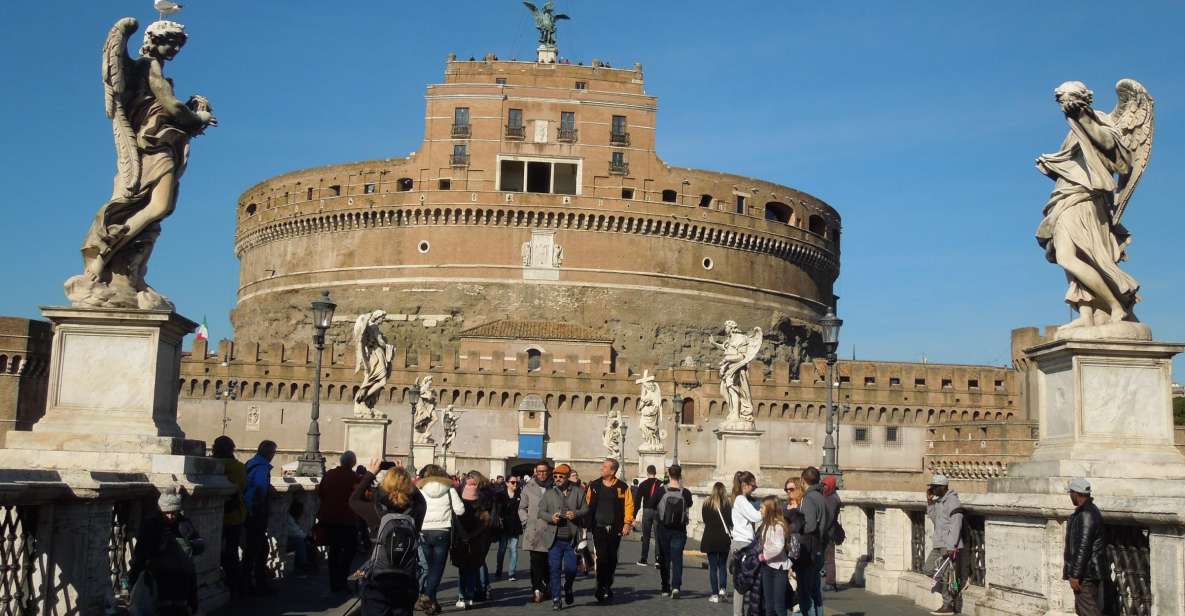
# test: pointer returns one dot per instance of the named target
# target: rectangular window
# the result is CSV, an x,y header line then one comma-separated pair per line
x,y
919,382
564,179
627,193
894,381
947,384
581,85
511,176
444,184
568,120
619,133
515,119
335,190
368,188
999,385
740,204
618,158
619,125
461,116
538,177
972,383
844,379
617,164
869,381
310,194
891,435
861,435
500,81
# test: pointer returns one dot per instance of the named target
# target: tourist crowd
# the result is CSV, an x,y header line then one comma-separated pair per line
x,y
780,551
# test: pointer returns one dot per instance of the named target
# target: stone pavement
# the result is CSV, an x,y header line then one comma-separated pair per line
x,y
636,590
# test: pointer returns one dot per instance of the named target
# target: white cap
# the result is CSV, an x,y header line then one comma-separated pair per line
x,y
1081,486
939,480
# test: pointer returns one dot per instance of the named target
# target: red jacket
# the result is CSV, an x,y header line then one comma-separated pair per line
x,y
334,492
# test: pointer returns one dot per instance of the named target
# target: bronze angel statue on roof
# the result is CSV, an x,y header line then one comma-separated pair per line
x,y
152,129
1095,174
545,19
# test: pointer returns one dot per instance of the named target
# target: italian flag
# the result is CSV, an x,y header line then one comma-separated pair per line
x,y
203,332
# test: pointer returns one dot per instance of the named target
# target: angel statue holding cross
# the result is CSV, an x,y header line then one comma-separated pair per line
x,y
1094,173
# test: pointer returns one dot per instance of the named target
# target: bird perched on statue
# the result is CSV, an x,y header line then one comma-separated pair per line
x,y
167,7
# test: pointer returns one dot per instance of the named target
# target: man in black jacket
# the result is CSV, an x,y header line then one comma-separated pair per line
x,y
648,493
611,513
1084,560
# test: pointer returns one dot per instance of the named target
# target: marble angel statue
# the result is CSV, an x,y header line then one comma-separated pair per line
x,y
152,130
650,433
1095,173
611,437
739,350
450,419
545,19
372,354
425,414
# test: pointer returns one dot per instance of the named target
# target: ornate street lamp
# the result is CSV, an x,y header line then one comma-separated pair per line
x,y
312,463
677,412
228,393
414,396
831,324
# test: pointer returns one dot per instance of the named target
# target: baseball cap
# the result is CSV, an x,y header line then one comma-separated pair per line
x,y
939,480
1081,486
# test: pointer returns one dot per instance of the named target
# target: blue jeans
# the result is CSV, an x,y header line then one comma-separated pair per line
x,y
669,544
434,548
718,571
468,582
561,556
774,585
810,587
504,544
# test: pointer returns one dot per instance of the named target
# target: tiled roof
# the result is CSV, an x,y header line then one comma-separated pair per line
x,y
535,330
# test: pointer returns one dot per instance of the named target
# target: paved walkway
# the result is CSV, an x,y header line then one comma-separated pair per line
x,y
636,590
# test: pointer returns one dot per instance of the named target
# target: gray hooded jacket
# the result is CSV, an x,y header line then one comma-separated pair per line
x,y
947,515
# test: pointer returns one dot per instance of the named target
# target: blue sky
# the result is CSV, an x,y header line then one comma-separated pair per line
x,y
918,121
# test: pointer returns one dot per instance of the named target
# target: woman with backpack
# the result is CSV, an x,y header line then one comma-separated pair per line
x,y
744,517
394,514
773,535
716,514
472,537
443,505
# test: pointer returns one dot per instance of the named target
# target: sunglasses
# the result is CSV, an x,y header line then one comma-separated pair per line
x,y
559,475
513,483
791,489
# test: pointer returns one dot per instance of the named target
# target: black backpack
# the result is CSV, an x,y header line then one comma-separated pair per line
x,y
396,548
672,509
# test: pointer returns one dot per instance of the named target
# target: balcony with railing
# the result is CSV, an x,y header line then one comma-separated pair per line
x,y
516,133
619,138
461,131
459,160
619,167
567,135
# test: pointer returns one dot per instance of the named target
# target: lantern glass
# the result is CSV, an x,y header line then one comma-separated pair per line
x,y
323,308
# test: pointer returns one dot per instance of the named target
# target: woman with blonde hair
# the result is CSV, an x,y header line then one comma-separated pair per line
x,y
774,563
717,539
795,489
397,493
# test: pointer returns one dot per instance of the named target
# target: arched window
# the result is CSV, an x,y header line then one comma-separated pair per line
x,y
534,360
687,413
670,196
250,209
817,226
777,212
404,184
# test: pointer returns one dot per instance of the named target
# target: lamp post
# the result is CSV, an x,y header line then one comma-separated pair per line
x,y
227,394
312,463
831,325
414,395
677,413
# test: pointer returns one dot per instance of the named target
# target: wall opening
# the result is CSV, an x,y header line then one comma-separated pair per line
x,y
777,212
534,360
687,413
627,193
405,184
816,225
538,177
512,172
670,196
705,200
444,184
564,179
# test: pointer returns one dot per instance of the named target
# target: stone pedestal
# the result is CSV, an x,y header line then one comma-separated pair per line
x,y
425,454
1105,411
548,54
367,437
656,457
737,449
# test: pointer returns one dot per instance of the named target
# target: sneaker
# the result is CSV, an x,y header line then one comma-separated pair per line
x,y
714,599
641,563
512,578
468,603
946,609
723,596
538,598
460,604
664,593
569,597
422,603
675,593
556,606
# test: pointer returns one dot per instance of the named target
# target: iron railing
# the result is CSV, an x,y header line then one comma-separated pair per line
x,y
976,551
1127,591
459,160
622,138
619,168
460,131
121,541
917,541
516,132
18,597
567,134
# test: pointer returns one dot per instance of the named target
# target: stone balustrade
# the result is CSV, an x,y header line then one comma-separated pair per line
x,y
66,538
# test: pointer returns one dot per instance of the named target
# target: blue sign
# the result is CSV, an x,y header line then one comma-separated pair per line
x,y
530,446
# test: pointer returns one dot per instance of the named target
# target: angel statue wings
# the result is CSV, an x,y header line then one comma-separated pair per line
x,y
1094,173
650,432
372,354
739,349
152,129
545,19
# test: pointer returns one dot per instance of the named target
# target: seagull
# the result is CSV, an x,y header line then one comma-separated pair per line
x,y
166,7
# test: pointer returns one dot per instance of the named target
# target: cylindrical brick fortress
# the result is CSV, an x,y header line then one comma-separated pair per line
x,y
537,195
